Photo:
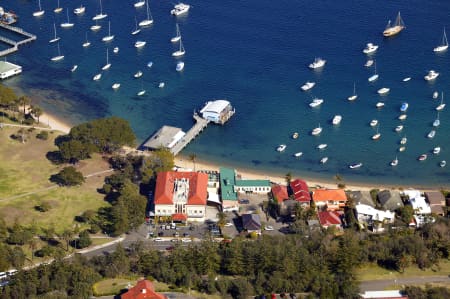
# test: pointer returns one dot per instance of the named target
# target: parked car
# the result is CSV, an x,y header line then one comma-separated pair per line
x,y
268,227
158,239
244,201
186,240
176,234
228,224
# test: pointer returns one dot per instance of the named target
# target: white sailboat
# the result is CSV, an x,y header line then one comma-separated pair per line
x,y
354,96
142,91
116,86
109,37
39,12
444,44
101,15
394,162
180,51
107,65
441,106
74,68
377,135
374,77
139,3
136,30
55,38
59,56
177,37
87,43
58,9
96,26
139,44
97,77
67,24
149,20
79,10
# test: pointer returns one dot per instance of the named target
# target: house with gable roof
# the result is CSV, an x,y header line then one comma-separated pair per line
x,y
329,199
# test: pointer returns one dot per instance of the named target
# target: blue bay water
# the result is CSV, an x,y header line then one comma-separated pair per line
x,y
255,54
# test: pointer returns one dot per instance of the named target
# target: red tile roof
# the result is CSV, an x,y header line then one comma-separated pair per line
x,y
280,193
300,190
329,194
198,182
143,290
330,218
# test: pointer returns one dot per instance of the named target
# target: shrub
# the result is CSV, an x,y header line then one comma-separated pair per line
x,y
69,176
43,135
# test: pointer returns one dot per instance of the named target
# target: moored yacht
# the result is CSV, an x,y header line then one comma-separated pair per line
x,y
432,75
316,103
441,106
442,163
402,116
308,86
394,162
406,79
398,128
116,86
97,77
101,15
403,140
139,44
404,107
138,74
422,157
316,131
317,63
355,166
322,146
369,63
373,122
180,8
370,48
324,160
443,46
180,66
281,148
392,30
383,90
380,105
431,134
298,154
436,150
337,119
295,135
354,96
79,10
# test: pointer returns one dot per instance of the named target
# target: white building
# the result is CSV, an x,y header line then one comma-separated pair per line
x,y
368,213
418,202
218,111
8,69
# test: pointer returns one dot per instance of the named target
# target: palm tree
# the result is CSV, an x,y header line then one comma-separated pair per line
x,y
288,177
67,236
37,111
192,158
33,245
222,219
24,101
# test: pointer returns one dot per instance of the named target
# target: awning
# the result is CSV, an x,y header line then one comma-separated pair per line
x,y
179,217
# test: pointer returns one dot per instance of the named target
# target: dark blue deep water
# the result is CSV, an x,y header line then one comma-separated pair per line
x,y
255,54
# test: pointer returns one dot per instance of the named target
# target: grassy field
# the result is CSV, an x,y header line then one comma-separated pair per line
x,y
24,184
374,272
115,285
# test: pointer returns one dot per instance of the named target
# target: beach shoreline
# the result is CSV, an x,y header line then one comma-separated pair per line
x,y
53,122
185,162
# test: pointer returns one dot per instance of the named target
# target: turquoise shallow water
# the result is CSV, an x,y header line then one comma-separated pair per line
x,y
255,54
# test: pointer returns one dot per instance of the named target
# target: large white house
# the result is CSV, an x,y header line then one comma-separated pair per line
x,y
218,111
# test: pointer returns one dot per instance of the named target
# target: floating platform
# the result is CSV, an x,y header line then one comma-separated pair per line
x,y
8,69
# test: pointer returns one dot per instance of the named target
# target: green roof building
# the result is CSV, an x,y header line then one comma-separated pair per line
x,y
227,182
252,186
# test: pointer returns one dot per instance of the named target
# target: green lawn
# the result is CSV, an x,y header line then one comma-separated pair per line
x,y
374,272
112,286
25,169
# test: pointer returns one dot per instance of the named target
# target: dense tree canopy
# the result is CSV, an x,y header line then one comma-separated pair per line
x,y
104,135
68,176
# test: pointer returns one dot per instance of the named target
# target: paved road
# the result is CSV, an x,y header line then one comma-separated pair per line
x,y
374,285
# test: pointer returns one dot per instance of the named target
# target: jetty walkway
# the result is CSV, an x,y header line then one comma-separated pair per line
x,y
15,45
197,128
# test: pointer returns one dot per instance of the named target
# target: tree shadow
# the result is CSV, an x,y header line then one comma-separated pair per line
x,y
55,157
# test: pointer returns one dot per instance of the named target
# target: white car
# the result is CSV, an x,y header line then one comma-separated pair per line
x,y
186,240
268,227
228,224
158,239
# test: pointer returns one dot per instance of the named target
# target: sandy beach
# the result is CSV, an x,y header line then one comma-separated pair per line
x,y
186,163
52,122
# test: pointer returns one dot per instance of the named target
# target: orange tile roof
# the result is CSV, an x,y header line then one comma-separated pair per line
x,y
143,290
280,193
198,183
329,194
330,218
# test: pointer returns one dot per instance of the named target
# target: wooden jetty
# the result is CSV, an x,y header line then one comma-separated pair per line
x,y
15,45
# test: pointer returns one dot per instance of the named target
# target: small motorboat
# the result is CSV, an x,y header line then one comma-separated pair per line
x,y
403,140
373,122
337,120
404,107
180,66
324,160
402,148
295,135
355,166
317,63
422,157
406,79
116,50
116,86
435,95
436,150
402,117
369,63
316,103
138,74
74,68
139,44
281,148
383,91
161,84
299,154
308,86
97,77
141,92
370,48
316,131
432,75
442,163
150,64
380,105
431,134
322,146
394,162
398,128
